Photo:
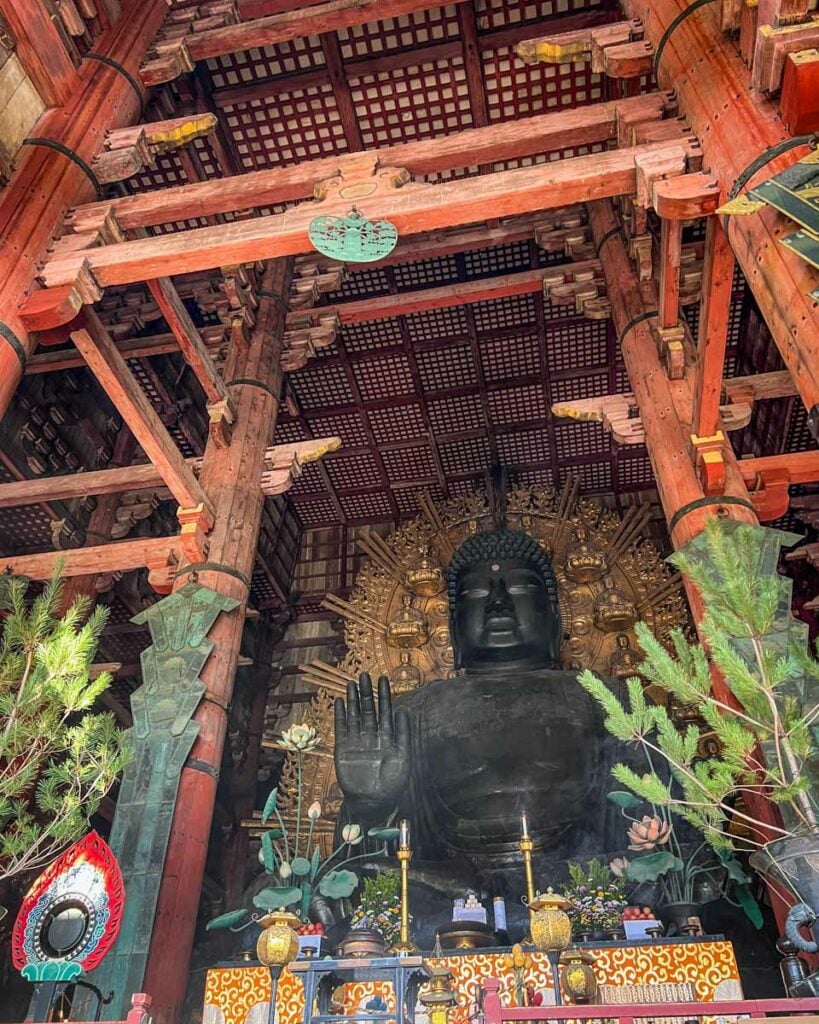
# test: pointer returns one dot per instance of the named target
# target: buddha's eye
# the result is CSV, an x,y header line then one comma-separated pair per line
x,y
474,592
523,588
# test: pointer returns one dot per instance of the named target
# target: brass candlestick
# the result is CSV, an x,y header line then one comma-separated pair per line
x,y
526,847
405,944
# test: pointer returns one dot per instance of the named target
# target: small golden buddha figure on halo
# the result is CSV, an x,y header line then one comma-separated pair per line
x,y
624,662
409,628
405,676
584,563
613,611
426,578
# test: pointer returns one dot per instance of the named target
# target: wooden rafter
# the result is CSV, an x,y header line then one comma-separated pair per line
x,y
413,209
512,140
121,556
105,362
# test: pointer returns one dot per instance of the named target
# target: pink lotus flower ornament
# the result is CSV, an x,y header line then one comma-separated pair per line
x,y
648,833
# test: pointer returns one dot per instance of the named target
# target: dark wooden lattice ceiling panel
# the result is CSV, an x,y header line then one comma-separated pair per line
x,y
421,28
426,273
350,473
517,405
413,463
595,476
385,377
412,103
26,528
288,430
514,311
363,283
634,468
579,343
437,323
447,367
319,511
321,387
500,259
406,500
471,455
397,423
366,506
310,481
371,335
255,65
514,89
347,426
504,358
524,446
580,438
449,417
590,385
500,13
301,125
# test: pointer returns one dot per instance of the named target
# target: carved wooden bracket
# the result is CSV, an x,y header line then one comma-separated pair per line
x,y
671,349
128,151
360,176
709,462
195,524
284,463
615,50
169,57
582,284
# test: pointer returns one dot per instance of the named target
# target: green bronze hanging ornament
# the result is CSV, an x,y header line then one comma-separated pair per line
x,y
352,239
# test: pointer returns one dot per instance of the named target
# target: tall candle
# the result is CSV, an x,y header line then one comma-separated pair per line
x,y
404,834
524,826
499,907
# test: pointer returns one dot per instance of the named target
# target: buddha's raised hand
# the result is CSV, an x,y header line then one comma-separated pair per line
x,y
372,752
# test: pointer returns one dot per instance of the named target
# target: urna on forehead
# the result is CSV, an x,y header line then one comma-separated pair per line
x,y
499,546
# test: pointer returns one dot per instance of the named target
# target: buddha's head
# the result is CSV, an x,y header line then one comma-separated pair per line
x,y
503,606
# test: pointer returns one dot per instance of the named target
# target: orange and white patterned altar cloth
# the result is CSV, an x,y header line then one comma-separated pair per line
x,y
708,970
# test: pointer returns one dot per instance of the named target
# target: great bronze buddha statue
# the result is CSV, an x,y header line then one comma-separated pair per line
x,y
462,758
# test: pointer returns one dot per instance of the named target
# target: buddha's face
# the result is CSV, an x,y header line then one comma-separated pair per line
x,y
503,615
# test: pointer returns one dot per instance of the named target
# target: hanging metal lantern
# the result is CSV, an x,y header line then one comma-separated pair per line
x,y
577,976
352,239
550,924
278,944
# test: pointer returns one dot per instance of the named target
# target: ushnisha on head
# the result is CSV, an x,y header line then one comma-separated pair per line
x,y
503,605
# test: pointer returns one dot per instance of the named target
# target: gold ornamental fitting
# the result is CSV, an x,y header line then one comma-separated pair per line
x,y
278,944
549,923
550,900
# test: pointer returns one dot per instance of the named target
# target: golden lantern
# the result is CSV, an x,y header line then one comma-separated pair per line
x,y
577,976
278,944
550,924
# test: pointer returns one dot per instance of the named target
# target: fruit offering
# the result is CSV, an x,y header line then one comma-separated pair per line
x,y
638,914
311,929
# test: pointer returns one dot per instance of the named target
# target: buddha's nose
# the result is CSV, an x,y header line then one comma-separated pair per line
x,y
499,602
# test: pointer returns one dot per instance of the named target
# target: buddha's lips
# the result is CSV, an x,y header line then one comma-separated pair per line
x,y
500,624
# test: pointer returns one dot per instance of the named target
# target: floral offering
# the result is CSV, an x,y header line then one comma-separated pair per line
x,y
598,897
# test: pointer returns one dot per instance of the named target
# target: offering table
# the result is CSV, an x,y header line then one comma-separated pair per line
x,y
670,970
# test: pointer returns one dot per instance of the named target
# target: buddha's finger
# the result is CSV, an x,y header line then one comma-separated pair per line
x,y
341,719
402,732
353,710
385,724
368,722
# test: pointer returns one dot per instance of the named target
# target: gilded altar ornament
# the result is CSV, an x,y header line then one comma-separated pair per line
x,y
409,628
613,611
278,944
438,996
584,563
406,676
352,239
551,927
577,975
624,661
426,578
405,945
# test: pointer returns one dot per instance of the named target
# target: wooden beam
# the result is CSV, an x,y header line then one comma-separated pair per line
x,y
187,335
511,140
413,209
105,362
712,338
525,282
473,63
120,556
801,467
341,91
281,462
777,384
279,28
42,52
134,348
670,253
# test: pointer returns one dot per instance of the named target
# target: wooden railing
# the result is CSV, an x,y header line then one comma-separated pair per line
x,y
627,1013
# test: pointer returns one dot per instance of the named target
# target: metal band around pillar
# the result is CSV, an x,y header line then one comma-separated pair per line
x,y
249,382
214,567
9,336
765,158
609,234
125,74
72,156
692,506
633,323
672,27
203,767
